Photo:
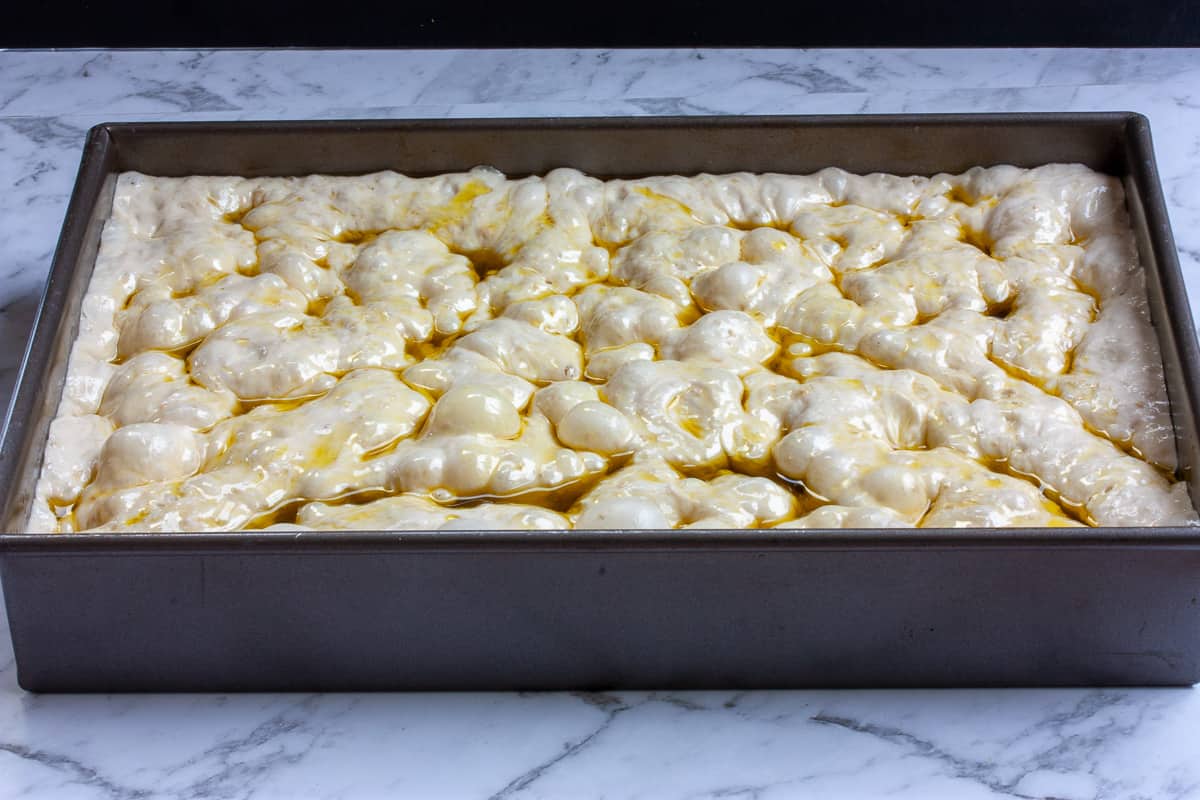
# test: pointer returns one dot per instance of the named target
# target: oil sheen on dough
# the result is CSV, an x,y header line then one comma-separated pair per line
x,y
733,351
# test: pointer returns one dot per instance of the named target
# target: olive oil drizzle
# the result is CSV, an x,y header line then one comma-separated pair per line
x,y
792,346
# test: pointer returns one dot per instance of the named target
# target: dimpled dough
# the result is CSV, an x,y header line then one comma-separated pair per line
x,y
468,351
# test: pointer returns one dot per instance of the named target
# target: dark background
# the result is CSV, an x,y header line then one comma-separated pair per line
x,y
599,23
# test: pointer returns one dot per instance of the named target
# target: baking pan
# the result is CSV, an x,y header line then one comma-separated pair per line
x,y
550,610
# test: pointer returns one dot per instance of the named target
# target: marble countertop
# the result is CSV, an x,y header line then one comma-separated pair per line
x,y
1068,744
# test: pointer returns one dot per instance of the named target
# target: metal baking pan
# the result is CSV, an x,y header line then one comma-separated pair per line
x,y
549,610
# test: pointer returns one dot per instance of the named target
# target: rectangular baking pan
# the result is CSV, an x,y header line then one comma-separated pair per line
x,y
549,610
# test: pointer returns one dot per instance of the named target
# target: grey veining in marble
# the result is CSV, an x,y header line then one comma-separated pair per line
x,y
1071,744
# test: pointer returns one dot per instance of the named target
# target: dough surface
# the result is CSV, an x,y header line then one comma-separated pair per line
x,y
719,351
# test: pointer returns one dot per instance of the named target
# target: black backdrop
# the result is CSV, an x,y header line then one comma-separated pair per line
x,y
599,23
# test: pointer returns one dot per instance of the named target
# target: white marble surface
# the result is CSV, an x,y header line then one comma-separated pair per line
x,y
931,744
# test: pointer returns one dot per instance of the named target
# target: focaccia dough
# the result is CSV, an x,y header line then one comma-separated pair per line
x,y
720,351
